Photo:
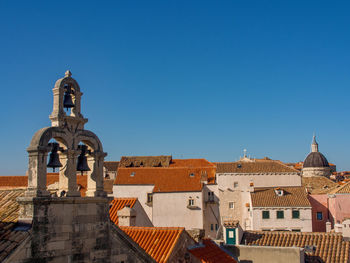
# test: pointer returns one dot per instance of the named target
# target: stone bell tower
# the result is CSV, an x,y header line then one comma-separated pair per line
x,y
67,227
68,131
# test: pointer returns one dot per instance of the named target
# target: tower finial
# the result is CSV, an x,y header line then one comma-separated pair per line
x,y
245,153
314,145
68,74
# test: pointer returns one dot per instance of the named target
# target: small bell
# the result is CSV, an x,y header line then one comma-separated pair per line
x,y
82,164
67,100
54,159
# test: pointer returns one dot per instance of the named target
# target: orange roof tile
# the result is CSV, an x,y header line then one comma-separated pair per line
x,y
209,252
175,178
292,197
330,247
254,166
117,204
318,185
341,189
158,242
11,182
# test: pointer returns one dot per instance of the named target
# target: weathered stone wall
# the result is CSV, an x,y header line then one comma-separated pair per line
x,y
316,171
267,254
180,252
71,229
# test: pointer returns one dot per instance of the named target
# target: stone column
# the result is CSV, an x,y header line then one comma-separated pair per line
x,y
95,176
71,173
37,172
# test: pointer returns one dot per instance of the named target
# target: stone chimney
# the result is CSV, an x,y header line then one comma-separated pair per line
x,y
127,216
328,226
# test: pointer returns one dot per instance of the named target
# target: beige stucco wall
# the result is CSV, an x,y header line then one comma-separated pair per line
x,y
240,212
304,223
138,191
142,218
211,213
266,254
170,210
346,229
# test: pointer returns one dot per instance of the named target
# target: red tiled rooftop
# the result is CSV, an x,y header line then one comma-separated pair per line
x,y
210,253
118,204
158,242
330,247
11,182
175,178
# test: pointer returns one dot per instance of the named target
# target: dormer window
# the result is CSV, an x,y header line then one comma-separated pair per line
x,y
132,174
191,174
279,192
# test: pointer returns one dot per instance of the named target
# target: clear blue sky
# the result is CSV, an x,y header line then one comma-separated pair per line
x,y
195,79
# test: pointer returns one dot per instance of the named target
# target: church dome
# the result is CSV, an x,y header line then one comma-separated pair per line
x,y
315,159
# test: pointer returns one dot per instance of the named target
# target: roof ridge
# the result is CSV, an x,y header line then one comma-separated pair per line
x,y
150,228
337,188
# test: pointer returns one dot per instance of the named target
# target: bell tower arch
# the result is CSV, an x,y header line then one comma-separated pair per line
x,y
68,131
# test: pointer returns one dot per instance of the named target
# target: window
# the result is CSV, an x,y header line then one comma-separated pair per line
x,y
319,216
295,230
132,174
210,196
265,214
216,227
265,230
212,227
235,184
190,202
231,205
192,175
280,214
295,214
149,197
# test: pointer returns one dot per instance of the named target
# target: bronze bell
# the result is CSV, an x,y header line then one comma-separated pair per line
x,y
67,100
54,159
82,164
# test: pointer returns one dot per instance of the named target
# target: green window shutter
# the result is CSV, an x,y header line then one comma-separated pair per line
x,y
295,214
280,214
265,214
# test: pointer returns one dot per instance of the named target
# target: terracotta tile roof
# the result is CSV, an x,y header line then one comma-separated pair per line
x,y
209,252
117,204
330,247
231,223
292,197
254,166
9,208
158,242
145,161
10,234
13,182
16,182
340,189
170,179
111,165
317,185
191,163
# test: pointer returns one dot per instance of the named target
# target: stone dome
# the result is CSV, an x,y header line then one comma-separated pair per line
x,y
315,159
